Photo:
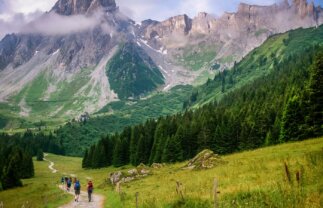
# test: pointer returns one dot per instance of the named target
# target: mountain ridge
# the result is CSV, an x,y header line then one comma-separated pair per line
x,y
184,49
73,7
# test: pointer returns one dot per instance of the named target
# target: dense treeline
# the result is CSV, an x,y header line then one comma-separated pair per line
x,y
77,136
17,165
16,152
285,105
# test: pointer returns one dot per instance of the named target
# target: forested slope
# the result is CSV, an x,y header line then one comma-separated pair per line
x,y
282,106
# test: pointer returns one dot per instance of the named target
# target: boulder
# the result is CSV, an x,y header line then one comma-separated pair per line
x,y
115,177
128,176
157,165
144,171
133,172
141,165
204,160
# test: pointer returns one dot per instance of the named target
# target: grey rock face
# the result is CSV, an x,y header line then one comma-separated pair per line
x,y
75,50
17,50
234,34
72,7
181,24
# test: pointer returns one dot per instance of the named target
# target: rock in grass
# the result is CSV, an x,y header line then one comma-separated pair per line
x,y
127,176
115,177
157,165
204,160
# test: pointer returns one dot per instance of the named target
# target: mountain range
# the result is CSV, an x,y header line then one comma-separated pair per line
x,y
84,54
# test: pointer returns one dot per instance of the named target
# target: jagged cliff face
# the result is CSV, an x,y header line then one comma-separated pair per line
x,y
234,34
71,65
75,50
73,7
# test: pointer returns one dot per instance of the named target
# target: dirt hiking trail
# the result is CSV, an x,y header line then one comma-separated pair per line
x,y
97,200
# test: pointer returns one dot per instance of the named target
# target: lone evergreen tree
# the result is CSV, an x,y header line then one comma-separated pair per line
x,y
40,155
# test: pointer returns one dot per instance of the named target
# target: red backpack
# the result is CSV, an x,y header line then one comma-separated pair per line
x,y
90,186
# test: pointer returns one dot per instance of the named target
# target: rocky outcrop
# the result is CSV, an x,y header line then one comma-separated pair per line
x,y
204,160
128,176
178,25
157,165
204,23
73,7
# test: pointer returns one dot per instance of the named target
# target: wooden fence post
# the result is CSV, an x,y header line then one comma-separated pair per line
x,y
118,187
137,194
179,189
215,192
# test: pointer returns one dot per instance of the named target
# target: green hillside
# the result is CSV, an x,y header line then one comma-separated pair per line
x,y
197,56
132,73
285,105
50,99
258,63
116,116
249,179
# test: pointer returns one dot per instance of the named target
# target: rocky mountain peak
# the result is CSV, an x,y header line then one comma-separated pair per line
x,y
180,23
203,23
74,7
304,9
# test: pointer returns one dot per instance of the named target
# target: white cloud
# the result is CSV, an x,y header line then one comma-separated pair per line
x,y
54,24
14,14
162,9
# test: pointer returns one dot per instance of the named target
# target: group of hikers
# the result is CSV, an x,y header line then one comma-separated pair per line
x,y
77,187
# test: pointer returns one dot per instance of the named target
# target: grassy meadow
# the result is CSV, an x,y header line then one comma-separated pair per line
x,y
287,175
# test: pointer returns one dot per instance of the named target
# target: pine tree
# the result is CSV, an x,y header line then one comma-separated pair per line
x,y
90,156
85,160
173,151
98,156
135,133
117,152
11,175
315,97
40,155
27,166
141,157
292,117
108,147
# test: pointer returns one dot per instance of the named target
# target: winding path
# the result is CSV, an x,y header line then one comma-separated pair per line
x,y
51,164
97,200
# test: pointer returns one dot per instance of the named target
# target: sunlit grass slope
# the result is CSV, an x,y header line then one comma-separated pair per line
x,y
256,178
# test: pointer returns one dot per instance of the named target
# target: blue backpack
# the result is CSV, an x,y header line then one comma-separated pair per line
x,y
77,185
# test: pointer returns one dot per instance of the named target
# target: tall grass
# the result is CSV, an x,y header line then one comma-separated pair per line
x,y
257,178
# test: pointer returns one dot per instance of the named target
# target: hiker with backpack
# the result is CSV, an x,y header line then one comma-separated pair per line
x,y
77,189
89,190
69,184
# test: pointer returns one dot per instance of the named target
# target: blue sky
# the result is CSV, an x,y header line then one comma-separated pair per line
x,y
139,9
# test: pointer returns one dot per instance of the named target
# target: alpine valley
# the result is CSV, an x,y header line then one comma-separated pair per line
x,y
189,112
